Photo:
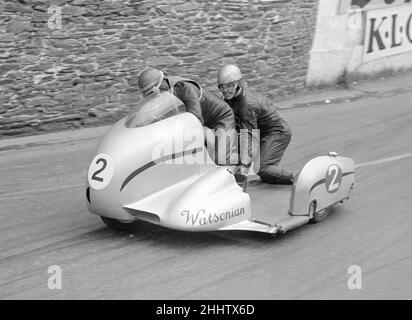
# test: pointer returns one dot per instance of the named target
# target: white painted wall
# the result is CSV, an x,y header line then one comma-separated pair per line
x,y
338,47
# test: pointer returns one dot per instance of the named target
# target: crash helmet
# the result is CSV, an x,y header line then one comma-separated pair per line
x,y
150,80
229,73
229,80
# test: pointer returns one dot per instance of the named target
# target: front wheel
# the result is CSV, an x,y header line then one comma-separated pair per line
x,y
317,216
119,225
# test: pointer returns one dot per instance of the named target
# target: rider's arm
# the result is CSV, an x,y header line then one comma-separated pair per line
x,y
189,95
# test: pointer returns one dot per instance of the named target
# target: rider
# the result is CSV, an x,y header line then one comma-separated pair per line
x,y
253,111
211,111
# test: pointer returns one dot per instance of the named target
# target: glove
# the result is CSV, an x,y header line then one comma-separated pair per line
x,y
242,170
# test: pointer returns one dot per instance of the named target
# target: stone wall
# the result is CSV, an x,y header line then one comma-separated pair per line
x,y
83,71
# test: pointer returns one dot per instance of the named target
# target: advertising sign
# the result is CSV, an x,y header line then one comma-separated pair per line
x,y
388,32
376,4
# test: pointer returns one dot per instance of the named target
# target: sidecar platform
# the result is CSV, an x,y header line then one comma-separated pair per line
x,y
270,207
270,203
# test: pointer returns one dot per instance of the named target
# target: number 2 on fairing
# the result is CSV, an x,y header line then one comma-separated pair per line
x,y
100,171
94,176
333,178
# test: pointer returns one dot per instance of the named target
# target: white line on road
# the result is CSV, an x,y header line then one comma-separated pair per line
x,y
389,159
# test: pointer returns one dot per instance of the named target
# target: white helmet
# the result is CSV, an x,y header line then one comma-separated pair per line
x,y
229,73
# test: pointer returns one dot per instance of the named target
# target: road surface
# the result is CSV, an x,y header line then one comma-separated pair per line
x,y
44,222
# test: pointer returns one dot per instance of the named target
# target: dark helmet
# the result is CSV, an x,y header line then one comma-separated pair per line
x,y
150,80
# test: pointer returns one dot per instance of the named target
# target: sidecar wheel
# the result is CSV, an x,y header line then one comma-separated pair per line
x,y
119,225
317,216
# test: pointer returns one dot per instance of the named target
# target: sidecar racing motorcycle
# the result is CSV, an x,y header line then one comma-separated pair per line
x,y
153,165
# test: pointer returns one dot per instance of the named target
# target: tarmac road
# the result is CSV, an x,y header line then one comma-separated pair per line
x,y
44,222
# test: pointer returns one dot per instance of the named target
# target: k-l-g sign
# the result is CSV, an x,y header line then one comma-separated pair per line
x,y
388,32
376,4
350,6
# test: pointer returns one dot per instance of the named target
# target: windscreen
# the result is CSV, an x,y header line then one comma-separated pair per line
x,y
153,108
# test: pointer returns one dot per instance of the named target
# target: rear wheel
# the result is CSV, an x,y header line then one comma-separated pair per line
x,y
119,225
317,216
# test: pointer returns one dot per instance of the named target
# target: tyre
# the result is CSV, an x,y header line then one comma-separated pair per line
x,y
119,225
317,216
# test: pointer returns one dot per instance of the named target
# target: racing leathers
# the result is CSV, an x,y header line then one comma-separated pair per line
x,y
212,113
260,125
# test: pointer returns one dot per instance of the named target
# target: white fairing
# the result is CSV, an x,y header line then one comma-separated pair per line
x,y
135,149
162,173
326,180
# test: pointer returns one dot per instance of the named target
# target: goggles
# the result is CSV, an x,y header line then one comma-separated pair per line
x,y
154,85
228,86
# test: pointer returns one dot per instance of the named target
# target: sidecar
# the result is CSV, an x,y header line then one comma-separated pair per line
x,y
153,165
